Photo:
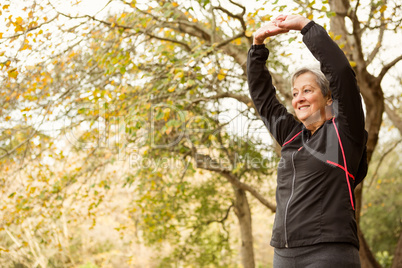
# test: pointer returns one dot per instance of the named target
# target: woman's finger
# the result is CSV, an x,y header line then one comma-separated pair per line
x,y
281,17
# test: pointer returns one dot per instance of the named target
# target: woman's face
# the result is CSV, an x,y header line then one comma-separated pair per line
x,y
308,101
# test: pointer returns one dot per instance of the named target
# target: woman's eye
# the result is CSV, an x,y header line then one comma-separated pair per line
x,y
294,95
307,90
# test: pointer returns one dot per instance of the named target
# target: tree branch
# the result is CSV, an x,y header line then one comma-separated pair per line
x,y
225,42
378,45
18,146
394,117
224,218
388,66
186,46
241,98
239,17
30,29
382,159
207,163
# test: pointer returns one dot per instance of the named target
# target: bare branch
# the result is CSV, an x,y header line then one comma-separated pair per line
x,y
186,46
388,66
394,117
242,7
356,7
207,163
378,45
241,98
239,17
224,43
224,218
381,160
232,179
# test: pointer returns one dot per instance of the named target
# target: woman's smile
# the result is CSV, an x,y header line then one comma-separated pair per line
x,y
308,101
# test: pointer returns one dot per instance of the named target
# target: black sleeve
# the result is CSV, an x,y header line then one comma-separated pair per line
x,y
274,115
345,91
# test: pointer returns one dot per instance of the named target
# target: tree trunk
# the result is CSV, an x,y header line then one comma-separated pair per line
x,y
374,99
242,211
367,258
398,253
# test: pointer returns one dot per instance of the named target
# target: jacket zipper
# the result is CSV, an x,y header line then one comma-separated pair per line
x,y
290,197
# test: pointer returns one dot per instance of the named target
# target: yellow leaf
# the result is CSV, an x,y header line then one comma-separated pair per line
x,y
179,75
310,17
237,41
13,73
26,46
337,37
222,74
6,7
1,35
166,114
352,63
18,28
249,33
19,20
383,8
171,89
174,4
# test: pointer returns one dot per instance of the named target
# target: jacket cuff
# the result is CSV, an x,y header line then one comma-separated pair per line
x,y
307,27
257,46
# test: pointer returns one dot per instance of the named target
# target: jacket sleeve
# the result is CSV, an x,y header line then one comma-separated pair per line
x,y
347,104
274,115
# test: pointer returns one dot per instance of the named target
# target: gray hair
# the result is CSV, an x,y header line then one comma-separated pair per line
x,y
321,80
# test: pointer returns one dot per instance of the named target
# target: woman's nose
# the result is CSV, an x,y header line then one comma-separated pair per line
x,y
300,98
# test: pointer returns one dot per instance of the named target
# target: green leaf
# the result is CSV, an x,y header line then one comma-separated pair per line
x,y
331,14
159,115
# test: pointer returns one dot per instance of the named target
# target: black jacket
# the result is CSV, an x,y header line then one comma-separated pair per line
x,y
317,173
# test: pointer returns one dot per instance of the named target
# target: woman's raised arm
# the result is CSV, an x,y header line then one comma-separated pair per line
x,y
274,115
347,105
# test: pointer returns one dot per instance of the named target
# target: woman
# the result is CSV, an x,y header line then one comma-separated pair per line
x,y
323,155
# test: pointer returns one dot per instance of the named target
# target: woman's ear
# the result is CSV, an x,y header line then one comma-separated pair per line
x,y
329,101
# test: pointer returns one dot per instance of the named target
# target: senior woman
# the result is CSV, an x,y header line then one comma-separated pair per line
x,y
323,155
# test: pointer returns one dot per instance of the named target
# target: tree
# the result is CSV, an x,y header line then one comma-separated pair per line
x,y
153,80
